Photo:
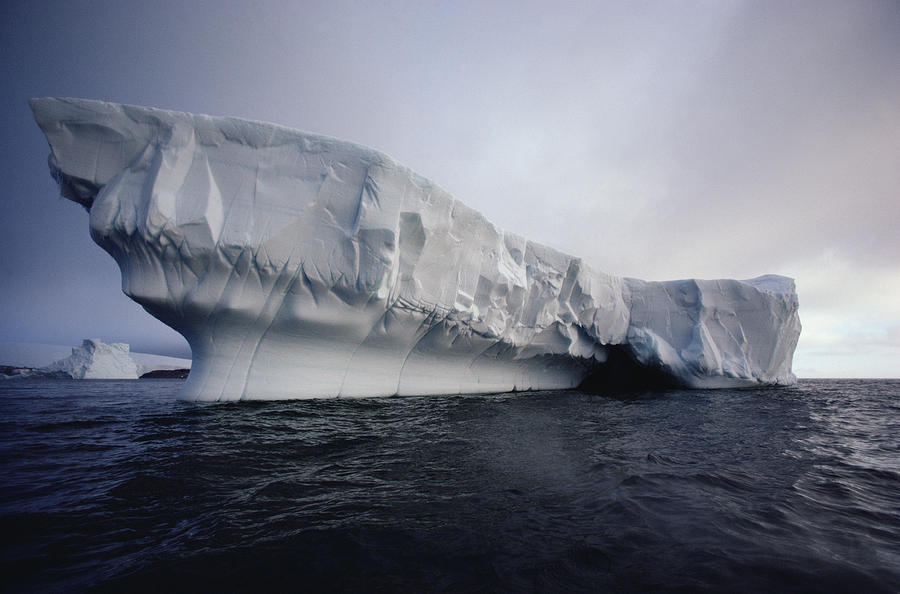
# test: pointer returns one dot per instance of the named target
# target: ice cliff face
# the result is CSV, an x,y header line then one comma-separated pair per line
x,y
94,360
301,266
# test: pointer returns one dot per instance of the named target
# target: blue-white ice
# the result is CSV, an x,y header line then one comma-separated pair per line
x,y
94,359
299,266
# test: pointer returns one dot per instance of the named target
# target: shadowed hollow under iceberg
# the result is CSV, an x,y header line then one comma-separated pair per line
x,y
300,266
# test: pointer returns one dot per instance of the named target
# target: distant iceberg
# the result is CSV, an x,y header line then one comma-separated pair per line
x,y
302,266
23,359
94,359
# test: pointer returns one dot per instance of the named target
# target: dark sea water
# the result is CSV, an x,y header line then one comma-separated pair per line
x,y
116,486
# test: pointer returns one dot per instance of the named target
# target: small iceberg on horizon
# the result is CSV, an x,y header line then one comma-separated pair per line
x,y
94,359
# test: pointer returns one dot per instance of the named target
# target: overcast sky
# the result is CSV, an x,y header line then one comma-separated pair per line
x,y
658,140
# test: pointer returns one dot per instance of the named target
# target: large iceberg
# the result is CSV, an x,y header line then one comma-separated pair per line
x,y
298,266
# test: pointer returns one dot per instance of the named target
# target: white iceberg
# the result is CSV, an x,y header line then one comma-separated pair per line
x,y
301,266
35,355
94,359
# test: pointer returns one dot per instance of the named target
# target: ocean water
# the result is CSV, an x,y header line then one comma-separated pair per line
x,y
116,486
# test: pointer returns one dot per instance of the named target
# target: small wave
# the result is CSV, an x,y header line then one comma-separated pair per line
x,y
126,489
71,425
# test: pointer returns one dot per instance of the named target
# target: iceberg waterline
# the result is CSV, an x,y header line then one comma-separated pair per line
x,y
298,265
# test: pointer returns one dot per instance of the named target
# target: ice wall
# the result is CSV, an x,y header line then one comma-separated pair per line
x,y
299,266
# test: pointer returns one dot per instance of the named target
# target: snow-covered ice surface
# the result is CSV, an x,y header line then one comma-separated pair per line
x,y
298,265
94,359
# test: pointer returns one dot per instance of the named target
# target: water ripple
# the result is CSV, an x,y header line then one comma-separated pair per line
x,y
116,486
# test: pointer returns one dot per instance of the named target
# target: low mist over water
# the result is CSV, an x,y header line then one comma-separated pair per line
x,y
116,485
